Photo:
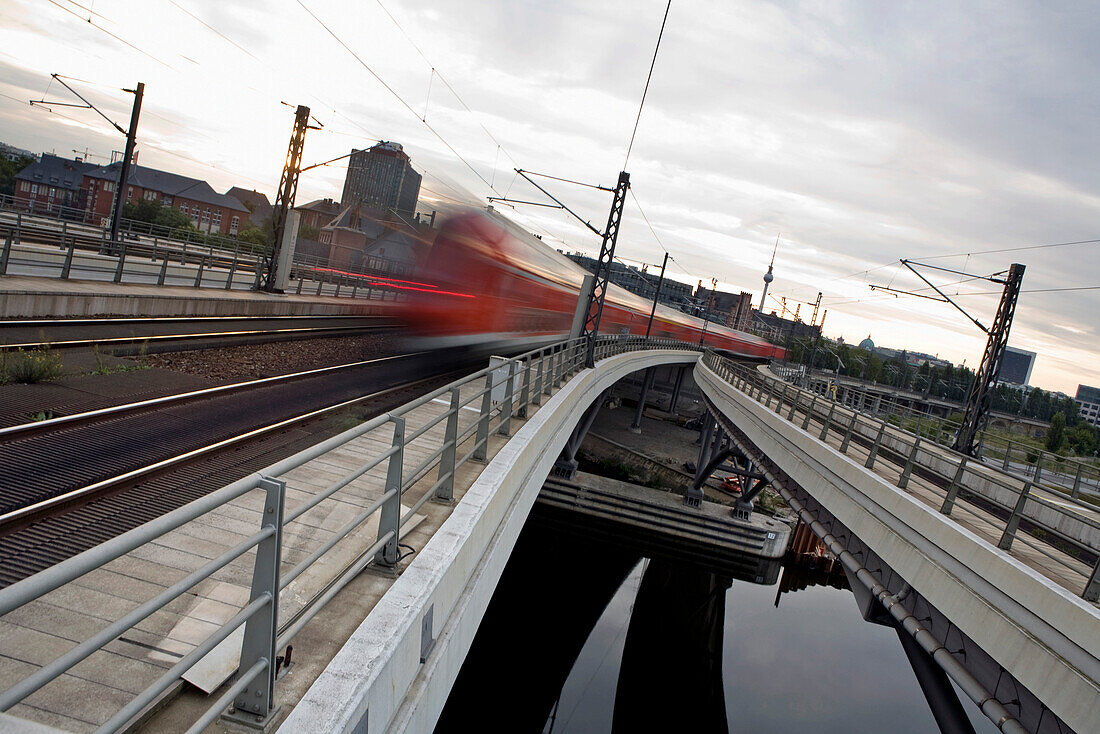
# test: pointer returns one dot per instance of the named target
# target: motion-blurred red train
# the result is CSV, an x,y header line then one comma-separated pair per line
x,y
488,285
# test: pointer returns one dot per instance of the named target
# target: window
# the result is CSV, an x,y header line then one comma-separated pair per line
x,y
234,223
167,201
24,186
129,193
52,193
183,207
151,195
217,219
108,185
205,216
34,189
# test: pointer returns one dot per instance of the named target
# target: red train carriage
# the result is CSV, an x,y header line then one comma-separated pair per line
x,y
491,286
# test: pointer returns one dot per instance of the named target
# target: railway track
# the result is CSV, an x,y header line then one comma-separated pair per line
x,y
84,479
125,335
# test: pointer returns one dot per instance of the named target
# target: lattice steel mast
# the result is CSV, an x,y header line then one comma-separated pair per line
x,y
284,199
981,392
603,268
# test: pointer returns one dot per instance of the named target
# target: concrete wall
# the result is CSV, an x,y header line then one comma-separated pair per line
x,y
377,680
1048,638
1002,488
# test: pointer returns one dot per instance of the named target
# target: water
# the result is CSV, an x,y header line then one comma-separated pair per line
x,y
588,635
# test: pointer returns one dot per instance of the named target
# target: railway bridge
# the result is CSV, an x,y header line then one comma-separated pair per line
x,y
993,581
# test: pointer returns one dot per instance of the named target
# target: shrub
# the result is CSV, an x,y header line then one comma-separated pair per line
x,y
37,365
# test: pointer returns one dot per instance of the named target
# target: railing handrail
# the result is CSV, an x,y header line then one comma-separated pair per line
x,y
742,377
553,364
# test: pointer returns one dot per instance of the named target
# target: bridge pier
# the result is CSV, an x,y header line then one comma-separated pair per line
x,y
647,382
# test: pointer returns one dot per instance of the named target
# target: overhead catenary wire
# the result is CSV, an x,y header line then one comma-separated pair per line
x,y
443,79
645,91
115,36
393,92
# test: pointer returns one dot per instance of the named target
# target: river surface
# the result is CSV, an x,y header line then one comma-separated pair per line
x,y
586,634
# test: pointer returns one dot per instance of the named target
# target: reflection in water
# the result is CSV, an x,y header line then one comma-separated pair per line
x,y
585,635
671,672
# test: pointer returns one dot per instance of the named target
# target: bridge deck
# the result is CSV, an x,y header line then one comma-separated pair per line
x,y
1052,562
87,696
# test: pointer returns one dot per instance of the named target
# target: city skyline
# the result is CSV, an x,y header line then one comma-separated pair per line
x,y
862,134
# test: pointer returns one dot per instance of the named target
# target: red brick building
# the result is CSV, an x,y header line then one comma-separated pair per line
x,y
52,185
209,210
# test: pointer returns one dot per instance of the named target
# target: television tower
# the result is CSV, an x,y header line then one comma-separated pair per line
x,y
768,277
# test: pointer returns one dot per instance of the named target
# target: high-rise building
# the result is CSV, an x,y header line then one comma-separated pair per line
x,y
1088,402
382,177
1016,366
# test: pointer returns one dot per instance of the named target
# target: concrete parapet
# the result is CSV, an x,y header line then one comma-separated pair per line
x,y
1045,636
396,671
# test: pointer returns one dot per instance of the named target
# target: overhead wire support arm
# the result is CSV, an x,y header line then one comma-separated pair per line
x,y
895,291
564,180
578,217
88,105
506,200
946,297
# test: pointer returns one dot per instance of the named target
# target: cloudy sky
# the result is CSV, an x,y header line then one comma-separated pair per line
x,y
859,132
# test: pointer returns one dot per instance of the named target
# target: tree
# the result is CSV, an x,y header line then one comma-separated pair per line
x,y
155,212
8,169
253,235
1056,436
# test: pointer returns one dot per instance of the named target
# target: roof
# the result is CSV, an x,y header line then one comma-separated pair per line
x,y
261,207
169,184
325,206
53,170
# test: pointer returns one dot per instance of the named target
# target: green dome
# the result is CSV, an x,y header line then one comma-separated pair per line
x,y
867,344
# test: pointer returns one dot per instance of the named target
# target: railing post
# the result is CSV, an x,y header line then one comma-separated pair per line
x,y
525,391
545,365
505,427
5,255
389,517
1038,468
1076,493
809,412
256,275
1014,519
953,488
121,261
67,267
536,398
198,275
18,227
828,421
848,433
1008,454
256,700
779,395
445,491
481,450
232,272
298,292
903,480
794,404
873,453
1092,586
163,271
64,233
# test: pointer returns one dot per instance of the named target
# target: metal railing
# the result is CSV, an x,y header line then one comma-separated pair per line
x,y
131,261
1061,473
489,400
36,221
947,472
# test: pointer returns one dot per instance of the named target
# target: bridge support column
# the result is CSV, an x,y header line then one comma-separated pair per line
x,y
647,382
676,388
566,465
942,700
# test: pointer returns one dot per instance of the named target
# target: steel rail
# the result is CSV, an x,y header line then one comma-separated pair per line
x,y
50,506
67,344
116,410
